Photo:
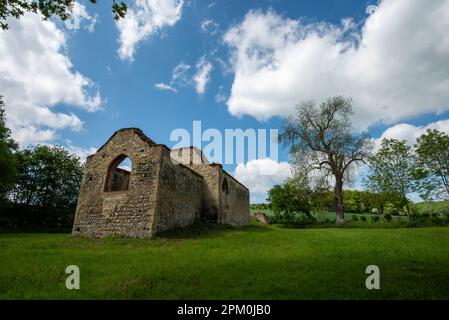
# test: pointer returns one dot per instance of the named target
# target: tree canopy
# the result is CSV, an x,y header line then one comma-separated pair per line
x,y
392,169
49,8
322,139
432,150
8,166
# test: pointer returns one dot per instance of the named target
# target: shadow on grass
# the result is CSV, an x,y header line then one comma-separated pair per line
x,y
205,230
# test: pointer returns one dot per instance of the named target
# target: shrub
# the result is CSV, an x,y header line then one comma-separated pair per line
x,y
363,218
355,218
390,209
375,219
388,217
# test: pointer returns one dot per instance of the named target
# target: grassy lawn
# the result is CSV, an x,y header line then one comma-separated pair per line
x,y
258,262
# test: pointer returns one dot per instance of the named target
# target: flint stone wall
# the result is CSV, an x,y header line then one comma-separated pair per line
x,y
157,195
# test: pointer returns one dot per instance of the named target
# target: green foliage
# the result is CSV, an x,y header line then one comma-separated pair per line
x,y
259,206
322,139
392,171
438,207
48,8
47,186
355,201
290,203
387,217
432,174
323,200
390,209
8,165
427,220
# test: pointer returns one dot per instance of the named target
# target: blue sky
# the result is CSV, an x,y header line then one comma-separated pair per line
x,y
395,66
128,87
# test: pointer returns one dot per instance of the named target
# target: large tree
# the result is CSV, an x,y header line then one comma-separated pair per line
x,y
7,159
48,181
432,150
392,170
48,8
322,139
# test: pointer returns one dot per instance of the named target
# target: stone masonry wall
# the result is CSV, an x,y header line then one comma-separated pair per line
x,y
238,213
180,195
120,180
211,205
158,194
131,212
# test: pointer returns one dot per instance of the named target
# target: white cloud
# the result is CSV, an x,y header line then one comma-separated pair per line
x,y
163,86
31,135
395,67
221,96
212,4
410,133
210,27
80,152
202,76
179,74
254,175
142,20
179,77
36,74
81,19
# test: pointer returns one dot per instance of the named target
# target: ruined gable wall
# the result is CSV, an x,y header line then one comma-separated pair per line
x,y
180,195
237,213
128,213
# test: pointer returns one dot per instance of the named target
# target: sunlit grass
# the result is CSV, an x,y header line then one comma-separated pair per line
x,y
257,262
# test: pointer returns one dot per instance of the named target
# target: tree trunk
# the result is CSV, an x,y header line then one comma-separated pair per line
x,y
338,195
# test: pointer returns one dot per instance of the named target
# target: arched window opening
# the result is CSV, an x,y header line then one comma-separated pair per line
x,y
118,175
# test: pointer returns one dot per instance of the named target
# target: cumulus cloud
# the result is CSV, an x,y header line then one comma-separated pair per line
x,y
39,78
261,174
410,133
80,152
395,65
202,76
142,20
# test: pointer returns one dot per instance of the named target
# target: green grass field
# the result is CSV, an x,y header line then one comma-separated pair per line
x,y
257,262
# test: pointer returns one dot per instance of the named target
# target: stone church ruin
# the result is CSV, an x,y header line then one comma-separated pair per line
x,y
158,193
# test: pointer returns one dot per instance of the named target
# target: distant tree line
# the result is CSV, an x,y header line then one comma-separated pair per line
x,y
38,186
